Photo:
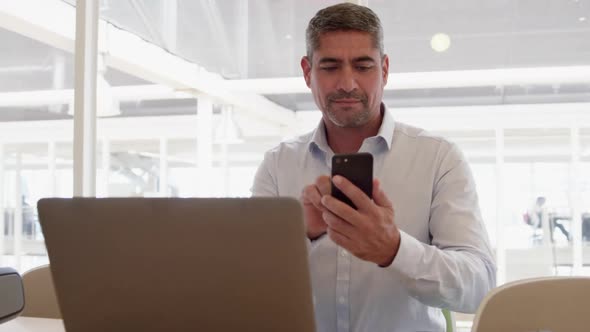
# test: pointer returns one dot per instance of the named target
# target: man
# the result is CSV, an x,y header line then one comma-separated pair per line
x,y
537,212
420,244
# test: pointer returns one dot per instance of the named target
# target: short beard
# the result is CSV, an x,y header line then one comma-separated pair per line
x,y
355,120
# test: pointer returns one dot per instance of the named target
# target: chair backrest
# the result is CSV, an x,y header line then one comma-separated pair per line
x,y
539,304
40,298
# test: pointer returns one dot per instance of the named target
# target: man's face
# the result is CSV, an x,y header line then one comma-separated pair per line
x,y
346,76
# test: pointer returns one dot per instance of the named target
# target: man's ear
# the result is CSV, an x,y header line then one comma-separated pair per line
x,y
306,67
385,68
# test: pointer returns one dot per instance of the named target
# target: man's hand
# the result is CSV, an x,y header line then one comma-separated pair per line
x,y
369,232
311,197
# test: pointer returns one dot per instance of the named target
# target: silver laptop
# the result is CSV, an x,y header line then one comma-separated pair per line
x,y
179,264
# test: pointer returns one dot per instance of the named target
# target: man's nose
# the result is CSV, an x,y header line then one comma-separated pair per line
x,y
347,80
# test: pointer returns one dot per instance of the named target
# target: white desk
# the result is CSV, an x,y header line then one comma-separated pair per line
x,y
30,324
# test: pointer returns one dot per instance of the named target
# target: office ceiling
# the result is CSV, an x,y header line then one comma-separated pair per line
x,y
265,38
244,39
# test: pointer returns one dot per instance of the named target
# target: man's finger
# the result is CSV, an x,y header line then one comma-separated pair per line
x,y
338,238
341,209
311,195
338,224
323,185
379,196
356,195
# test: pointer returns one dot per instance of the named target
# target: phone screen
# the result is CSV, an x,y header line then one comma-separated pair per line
x,y
358,169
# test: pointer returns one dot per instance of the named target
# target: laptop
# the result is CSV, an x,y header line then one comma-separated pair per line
x,y
179,264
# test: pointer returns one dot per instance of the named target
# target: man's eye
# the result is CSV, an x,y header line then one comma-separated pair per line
x,y
363,68
328,68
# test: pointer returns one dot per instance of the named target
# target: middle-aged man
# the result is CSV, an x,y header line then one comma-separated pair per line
x,y
419,245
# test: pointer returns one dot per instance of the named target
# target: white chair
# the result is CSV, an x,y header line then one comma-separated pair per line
x,y
40,298
550,304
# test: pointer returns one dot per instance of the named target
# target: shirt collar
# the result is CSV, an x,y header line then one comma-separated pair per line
x,y
320,141
387,126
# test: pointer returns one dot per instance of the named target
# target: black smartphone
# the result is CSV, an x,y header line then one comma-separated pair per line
x,y
358,169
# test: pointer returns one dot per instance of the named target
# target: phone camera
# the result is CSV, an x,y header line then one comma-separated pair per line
x,y
338,160
345,160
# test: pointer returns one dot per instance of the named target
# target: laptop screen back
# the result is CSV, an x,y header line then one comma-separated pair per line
x,y
177,264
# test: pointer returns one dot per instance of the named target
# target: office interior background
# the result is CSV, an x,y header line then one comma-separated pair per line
x,y
191,93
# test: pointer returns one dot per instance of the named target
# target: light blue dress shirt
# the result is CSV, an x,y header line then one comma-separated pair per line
x,y
444,259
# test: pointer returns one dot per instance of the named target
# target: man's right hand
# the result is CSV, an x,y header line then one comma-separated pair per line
x,y
311,198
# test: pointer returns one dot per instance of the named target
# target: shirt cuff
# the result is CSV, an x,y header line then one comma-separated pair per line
x,y
408,255
311,245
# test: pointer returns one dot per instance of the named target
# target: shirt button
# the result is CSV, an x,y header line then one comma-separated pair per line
x,y
343,253
341,299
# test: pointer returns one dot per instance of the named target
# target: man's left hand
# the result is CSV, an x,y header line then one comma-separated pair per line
x,y
369,232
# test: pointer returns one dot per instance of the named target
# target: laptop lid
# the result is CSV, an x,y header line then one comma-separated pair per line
x,y
179,264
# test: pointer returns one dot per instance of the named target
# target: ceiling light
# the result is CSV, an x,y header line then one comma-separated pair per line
x,y
582,18
440,42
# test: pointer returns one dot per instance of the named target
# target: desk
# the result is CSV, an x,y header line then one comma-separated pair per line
x,y
31,324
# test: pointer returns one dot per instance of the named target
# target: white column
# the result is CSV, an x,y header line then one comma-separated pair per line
x,y
575,201
500,209
204,146
243,33
226,118
106,166
85,98
170,24
18,215
2,221
163,181
52,176
51,168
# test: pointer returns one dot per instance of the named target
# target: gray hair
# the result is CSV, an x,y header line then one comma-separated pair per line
x,y
343,17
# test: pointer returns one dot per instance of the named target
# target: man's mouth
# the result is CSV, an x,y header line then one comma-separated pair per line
x,y
346,101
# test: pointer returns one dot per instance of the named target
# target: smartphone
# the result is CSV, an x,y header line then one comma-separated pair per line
x,y
358,169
